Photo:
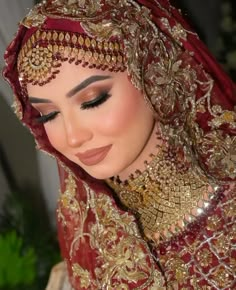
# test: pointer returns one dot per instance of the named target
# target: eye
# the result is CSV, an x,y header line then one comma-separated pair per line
x,y
46,118
100,99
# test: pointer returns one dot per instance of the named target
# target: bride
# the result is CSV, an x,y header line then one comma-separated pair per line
x,y
141,120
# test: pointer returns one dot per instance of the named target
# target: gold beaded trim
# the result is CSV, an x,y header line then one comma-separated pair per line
x,y
41,56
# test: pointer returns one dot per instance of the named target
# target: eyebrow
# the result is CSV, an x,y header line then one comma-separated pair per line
x,y
75,90
38,100
86,83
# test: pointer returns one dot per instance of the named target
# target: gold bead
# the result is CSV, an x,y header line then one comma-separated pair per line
x,y
44,35
49,36
37,34
87,42
99,45
120,58
74,39
88,55
33,39
111,46
106,45
67,37
95,55
101,57
116,46
93,43
81,53
108,58
81,40
55,36
55,48
61,36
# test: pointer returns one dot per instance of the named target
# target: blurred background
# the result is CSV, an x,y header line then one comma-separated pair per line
x,y
28,180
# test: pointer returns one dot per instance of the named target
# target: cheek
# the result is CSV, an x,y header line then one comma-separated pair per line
x,y
121,115
55,136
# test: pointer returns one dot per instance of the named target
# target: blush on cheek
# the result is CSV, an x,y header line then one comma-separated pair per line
x,y
118,119
122,111
55,137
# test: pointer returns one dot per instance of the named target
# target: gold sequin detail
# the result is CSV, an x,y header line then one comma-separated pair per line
x,y
83,274
204,257
221,277
68,199
223,117
208,261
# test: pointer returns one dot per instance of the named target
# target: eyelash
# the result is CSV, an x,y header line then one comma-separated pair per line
x,y
47,118
102,98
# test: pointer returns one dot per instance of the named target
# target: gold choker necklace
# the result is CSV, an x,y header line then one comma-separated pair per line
x,y
166,196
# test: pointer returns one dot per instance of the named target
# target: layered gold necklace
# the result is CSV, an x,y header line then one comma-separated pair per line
x,y
166,196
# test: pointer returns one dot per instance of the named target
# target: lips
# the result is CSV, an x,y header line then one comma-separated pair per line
x,y
94,156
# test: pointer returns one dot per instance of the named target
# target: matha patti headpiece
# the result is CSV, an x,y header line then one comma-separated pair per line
x,y
156,64
41,56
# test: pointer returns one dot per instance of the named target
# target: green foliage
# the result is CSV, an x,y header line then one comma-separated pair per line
x,y
17,265
226,50
28,244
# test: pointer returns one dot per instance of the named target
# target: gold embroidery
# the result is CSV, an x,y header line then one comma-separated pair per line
x,y
221,277
223,117
222,244
68,199
222,160
215,249
204,257
213,223
122,258
17,108
230,209
176,31
180,269
74,8
34,18
84,275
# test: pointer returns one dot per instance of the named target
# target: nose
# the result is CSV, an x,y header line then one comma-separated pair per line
x,y
77,133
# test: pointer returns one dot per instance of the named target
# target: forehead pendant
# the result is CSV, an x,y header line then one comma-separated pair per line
x,y
41,56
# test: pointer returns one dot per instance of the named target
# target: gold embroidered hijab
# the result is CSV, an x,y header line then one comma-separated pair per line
x,y
188,92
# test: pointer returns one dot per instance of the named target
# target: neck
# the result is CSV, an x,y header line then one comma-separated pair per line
x,y
151,148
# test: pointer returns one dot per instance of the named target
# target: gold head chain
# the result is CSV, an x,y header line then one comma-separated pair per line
x,y
41,56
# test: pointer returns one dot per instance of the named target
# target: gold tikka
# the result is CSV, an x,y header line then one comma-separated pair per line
x,y
42,54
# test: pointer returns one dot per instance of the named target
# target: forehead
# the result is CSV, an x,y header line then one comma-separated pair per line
x,y
69,76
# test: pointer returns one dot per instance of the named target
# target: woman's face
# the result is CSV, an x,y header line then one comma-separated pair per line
x,y
96,118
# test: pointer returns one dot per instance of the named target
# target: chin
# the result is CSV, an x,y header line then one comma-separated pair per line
x,y
101,172
100,175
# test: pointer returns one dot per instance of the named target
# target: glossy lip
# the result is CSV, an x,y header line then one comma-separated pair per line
x,y
93,156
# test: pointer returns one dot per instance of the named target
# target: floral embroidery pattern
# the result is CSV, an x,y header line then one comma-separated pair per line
x,y
123,259
208,260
